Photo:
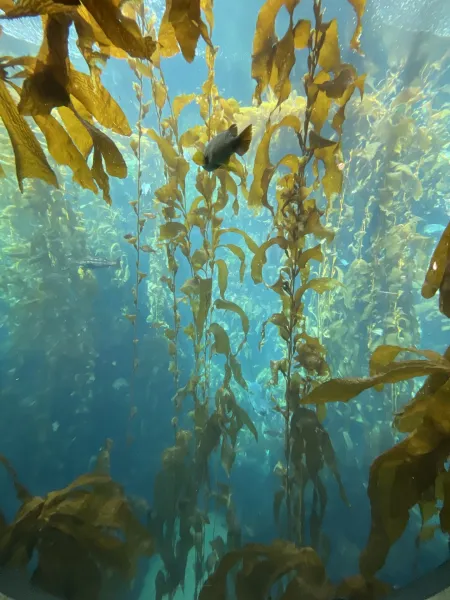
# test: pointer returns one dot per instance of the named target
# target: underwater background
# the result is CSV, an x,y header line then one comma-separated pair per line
x,y
148,340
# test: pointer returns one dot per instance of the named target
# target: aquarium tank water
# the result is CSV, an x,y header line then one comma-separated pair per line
x,y
224,298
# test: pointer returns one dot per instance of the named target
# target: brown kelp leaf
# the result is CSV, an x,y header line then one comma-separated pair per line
x,y
169,231
251,245
359,7
237,251
429,406
259,260
438,263
343,390
336,87
237,372
302,31
98,101
231,306
46,87
263,169
188,26
221,340
64,151
397,482
104,150
227,456
23,495
34,8
222,276
334,177
314,253
29,157
121,30
386,354
244,419
77,131
266,45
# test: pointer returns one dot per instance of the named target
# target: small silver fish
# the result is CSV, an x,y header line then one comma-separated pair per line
x,y
98,263
222,147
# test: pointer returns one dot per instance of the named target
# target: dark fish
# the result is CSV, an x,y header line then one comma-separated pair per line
x,y
221,148
98,263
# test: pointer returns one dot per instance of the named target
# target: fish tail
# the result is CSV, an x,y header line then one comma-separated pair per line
x,y
199,158
243,140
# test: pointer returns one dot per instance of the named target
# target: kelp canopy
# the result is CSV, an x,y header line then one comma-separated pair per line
x,y
314,232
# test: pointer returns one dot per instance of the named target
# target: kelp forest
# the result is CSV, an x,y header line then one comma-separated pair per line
x,y
231,382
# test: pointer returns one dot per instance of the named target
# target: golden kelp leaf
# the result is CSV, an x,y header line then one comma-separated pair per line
x,y
204,304
222,276
397,482
265,44
121,30
65,152
252,246
160,92
314,253
34,8
169,231
46,87
180,102
283,62
241,256
207,8
29,157
199,259
167,41
104,150
428,400
221,341
263,169
302,31
322,103
259,260
165,147
330,55
98,101
187,23
91,35
359,7
193,135
319,285
3,175
438,263
231,306
343,390
385,354
77,131
334,177
237,374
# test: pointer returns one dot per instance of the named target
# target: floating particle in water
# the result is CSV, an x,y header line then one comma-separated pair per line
x,y
120,383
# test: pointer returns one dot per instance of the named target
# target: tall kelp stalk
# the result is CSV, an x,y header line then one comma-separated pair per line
x,y
140,69
191,238
415,471
295,217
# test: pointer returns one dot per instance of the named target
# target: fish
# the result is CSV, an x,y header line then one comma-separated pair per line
x,y
98,263
222,147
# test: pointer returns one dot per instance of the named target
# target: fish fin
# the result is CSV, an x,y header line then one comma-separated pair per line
x,y
243,141
233,130
117,265
199,158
